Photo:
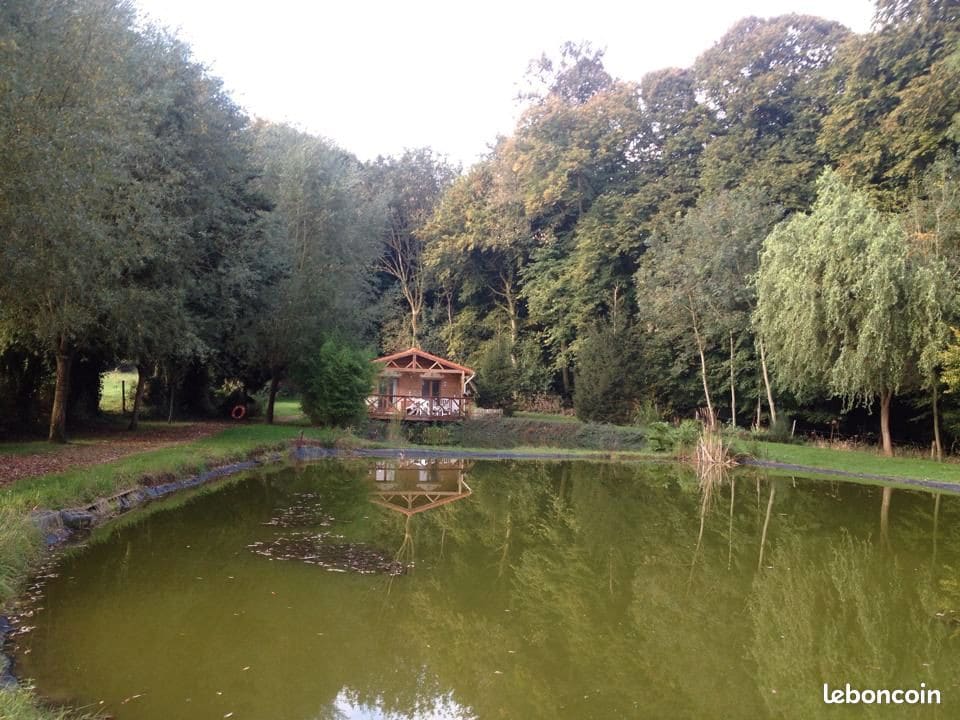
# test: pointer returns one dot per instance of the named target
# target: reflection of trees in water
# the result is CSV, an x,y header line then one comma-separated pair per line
x,y
588,600
564,580
841,610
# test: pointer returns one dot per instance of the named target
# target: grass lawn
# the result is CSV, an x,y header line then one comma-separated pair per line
x,y
854,461
110,399
27,448
286,411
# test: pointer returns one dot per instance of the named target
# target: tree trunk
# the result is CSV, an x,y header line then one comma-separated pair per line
x,y
733,389
138,397
58,416
885,397
703,366
937,446
414,333
615,310
766,383
513,336
173,392
271,400
509,306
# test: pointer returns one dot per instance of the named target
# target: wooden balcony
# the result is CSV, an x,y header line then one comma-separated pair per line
x,y
411,407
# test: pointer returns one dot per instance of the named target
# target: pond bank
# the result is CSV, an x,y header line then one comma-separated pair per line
x,y
829,473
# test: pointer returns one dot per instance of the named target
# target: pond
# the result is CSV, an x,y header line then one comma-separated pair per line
x,y
512,589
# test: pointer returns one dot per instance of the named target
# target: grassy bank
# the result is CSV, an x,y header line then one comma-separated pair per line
x,y
84,484
852,461
21,704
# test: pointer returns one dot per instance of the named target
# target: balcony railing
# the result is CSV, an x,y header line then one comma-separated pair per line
x,y
411,407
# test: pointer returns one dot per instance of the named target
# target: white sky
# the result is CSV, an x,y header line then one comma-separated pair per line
x,y
379,76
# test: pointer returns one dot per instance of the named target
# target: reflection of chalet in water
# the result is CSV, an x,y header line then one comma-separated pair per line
x,y
415,385
412,486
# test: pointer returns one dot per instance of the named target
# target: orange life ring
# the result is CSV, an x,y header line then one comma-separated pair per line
x,y
239,412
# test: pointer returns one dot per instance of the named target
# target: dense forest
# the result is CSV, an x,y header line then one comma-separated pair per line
x,y
771,233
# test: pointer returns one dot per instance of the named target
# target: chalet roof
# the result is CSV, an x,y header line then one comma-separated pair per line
x,y
429,361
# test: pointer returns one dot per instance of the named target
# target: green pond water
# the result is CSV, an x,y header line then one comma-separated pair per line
x,y
352,589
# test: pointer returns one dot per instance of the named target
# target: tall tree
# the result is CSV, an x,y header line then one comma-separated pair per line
x,y
201,269
476,243
695,288
932,223
574,157
323,241
763,82
72,125
896,104
411,186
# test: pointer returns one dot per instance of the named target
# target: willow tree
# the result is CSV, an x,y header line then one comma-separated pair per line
x,y
841,306
951,363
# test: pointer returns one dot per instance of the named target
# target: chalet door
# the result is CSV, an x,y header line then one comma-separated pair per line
x,y
388,391
430,392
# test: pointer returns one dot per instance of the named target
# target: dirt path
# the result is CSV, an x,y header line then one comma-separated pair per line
x,y
102,447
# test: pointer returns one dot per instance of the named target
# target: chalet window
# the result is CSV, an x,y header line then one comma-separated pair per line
x,y
430,388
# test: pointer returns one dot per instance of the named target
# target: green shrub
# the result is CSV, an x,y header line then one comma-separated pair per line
x,y
604,391
646,413
779,431
497,378
664,437
335,382
437,435
660,435
687,434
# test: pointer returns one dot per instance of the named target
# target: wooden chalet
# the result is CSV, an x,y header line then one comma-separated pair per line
x,y
415,385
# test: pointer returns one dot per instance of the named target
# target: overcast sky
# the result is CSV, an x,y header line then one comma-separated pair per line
x,y
377,77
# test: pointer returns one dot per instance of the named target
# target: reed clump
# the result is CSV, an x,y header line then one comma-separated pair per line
x,y
712,451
